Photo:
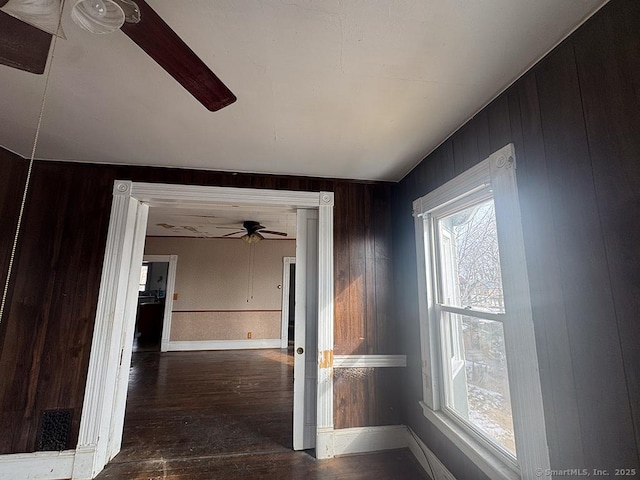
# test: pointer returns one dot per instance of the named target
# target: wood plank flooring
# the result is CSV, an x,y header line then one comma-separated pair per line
x,y
223,415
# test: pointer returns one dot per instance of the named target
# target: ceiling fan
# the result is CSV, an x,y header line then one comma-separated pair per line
x,y
253,231
26,45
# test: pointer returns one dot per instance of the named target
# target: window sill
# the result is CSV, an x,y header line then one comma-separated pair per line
x,y
494,467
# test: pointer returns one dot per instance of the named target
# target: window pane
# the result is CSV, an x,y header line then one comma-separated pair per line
x,y
470,260
475,373
144,271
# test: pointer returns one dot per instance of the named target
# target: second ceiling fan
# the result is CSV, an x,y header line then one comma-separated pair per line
x,y
253,232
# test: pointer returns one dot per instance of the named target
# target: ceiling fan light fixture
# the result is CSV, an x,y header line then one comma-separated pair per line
x,y
251,238
98,16
130,9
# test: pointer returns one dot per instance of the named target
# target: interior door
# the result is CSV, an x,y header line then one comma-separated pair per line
x,y
305,369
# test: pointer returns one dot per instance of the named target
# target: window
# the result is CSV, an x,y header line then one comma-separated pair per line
x,y
480,374
144,274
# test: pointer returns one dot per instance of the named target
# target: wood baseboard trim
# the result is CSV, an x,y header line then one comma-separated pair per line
x,y
182,346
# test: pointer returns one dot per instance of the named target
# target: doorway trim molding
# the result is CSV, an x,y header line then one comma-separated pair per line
x,y
172,260
98,440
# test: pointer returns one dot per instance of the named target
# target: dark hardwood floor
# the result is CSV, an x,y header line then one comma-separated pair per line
x,y
223,415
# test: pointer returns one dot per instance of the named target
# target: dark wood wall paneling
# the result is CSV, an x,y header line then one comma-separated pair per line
x,y
47,333
364,296
575,122
14,175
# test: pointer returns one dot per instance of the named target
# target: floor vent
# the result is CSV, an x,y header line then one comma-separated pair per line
x,y
55,430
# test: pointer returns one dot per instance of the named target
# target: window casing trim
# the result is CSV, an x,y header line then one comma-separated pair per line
x,y
497,173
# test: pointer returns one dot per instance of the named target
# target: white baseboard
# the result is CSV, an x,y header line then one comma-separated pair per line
x,y
431,464
182,346
39,465
371,439
347,441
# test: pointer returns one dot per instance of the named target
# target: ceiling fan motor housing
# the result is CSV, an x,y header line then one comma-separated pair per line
x,y
251,226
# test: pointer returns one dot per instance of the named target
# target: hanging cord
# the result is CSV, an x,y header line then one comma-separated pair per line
x,y
426,457
16,237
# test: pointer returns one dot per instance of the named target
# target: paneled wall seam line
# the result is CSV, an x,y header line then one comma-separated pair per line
x,y
614,305
554,222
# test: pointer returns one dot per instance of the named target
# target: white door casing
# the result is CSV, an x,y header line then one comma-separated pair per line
x,y
103,405
306,331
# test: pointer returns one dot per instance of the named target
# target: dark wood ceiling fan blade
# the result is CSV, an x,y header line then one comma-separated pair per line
x,y
162,44
23,46
271,232
234,233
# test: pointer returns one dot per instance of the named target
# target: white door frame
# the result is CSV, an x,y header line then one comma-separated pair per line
x,y
286,278
172,260
107,361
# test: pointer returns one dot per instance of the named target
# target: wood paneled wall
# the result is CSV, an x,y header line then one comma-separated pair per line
x,y
14,173
575,122
46,336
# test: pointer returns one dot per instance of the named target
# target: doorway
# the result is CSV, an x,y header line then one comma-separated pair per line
x,y
287,334
105,396
155,303
151,303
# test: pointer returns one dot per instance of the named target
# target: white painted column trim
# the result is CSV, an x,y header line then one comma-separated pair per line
x,y
128,327
324,420
101,378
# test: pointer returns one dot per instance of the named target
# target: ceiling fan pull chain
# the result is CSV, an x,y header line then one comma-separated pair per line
x,y
250,274
253,266
27,182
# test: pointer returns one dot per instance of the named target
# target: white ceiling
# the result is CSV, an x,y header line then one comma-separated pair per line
x,y
217,222
334,88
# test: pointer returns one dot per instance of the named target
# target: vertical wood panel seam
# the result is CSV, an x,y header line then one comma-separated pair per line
x,y
545,332
555,241
604,243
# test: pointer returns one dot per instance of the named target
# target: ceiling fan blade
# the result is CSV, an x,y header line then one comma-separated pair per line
x,y
271,232
23,46
162,44
234,233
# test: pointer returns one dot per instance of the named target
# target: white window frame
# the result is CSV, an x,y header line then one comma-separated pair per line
x,y
497,173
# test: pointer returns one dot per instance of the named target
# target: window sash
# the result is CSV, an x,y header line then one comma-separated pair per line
x,y
446,374
437,256
496,317
497,449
